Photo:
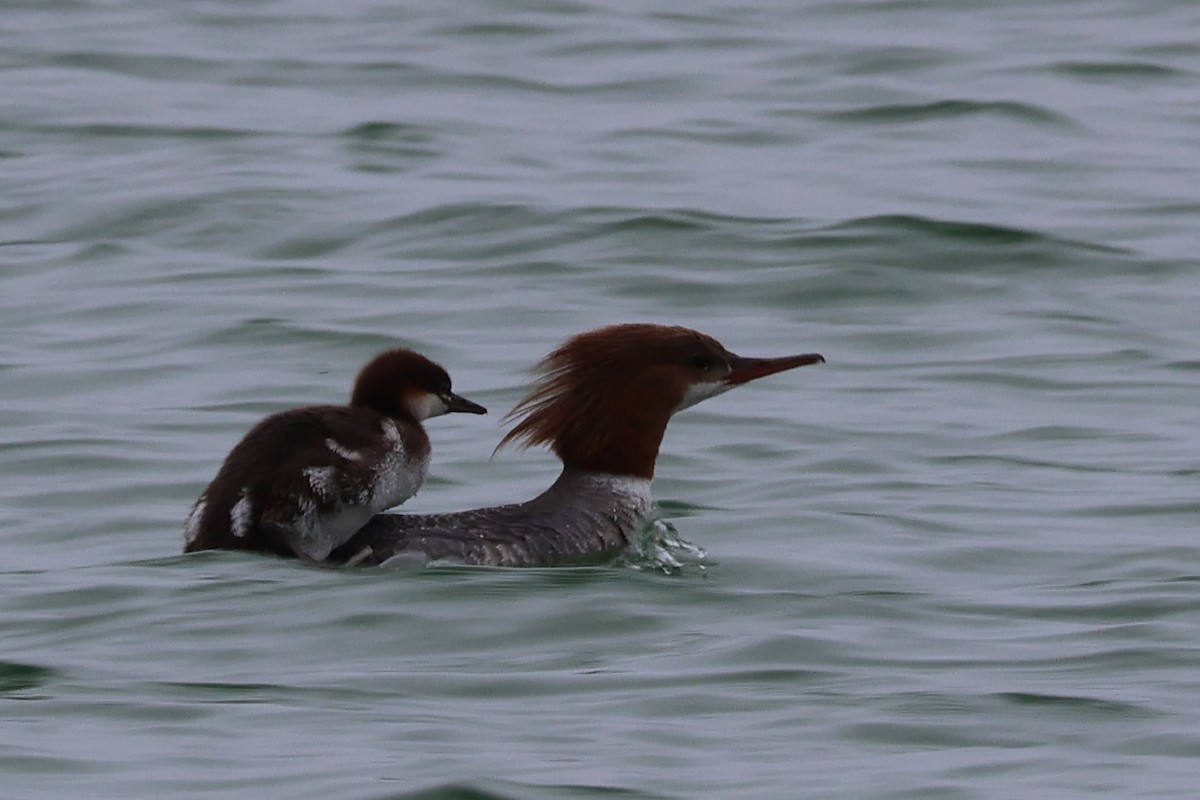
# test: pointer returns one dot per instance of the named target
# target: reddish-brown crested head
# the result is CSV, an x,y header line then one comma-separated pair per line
x,y
404,384
603,399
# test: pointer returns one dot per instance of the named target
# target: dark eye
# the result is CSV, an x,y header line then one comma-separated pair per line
x,y
702,361
444,390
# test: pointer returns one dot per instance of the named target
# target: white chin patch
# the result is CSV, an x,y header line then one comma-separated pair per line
x,y
428,405
702,391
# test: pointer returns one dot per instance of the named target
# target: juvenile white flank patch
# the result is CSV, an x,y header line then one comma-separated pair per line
x,y
344,452
702,391
428,405
320,479
239,516
192,528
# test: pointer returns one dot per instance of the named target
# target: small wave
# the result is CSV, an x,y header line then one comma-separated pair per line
x,y
145,66
378,130
507,790
18,677
622,88
114,130
992,245
1071,703
952,109
390,147
946,229
1110,71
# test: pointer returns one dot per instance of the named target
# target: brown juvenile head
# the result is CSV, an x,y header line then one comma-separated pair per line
x,y
603,399
406,385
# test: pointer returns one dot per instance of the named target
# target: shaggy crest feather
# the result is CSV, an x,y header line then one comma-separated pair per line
x,y
590,401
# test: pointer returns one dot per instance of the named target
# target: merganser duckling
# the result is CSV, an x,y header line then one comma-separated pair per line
x,y
602,402
303,481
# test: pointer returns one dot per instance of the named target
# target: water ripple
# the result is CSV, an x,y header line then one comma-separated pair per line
x,y
953,109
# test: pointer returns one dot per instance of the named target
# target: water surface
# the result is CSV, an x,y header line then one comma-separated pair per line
x,y
957,561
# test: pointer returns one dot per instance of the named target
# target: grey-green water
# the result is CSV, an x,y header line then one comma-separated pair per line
x,y
957,561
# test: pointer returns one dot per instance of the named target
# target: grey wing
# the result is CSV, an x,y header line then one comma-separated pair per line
x,y
500,536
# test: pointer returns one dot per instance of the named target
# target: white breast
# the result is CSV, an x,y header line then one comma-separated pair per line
x,y
397,478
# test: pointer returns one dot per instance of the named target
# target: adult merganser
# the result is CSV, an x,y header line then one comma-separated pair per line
x,y
602,402
303,481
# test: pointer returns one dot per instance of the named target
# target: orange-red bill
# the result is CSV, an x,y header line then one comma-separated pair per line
x,y
744,370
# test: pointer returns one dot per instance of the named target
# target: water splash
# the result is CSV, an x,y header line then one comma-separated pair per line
x,y
660,548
